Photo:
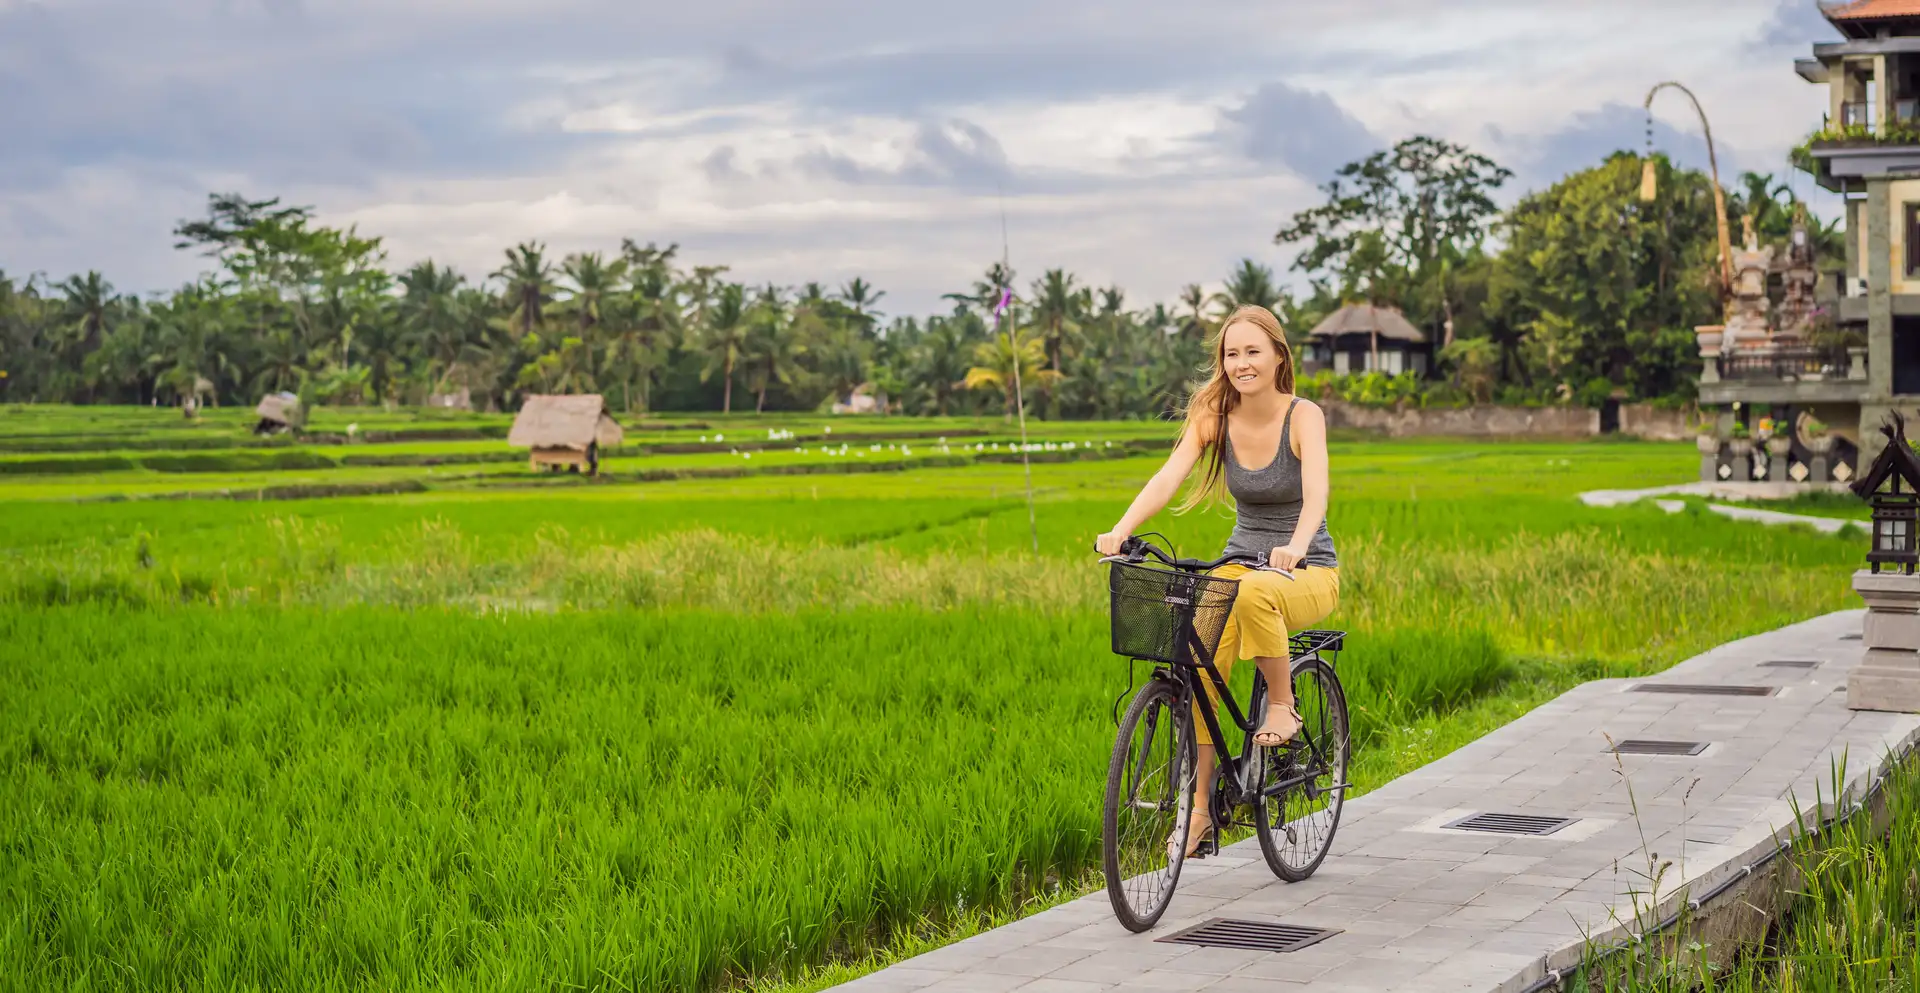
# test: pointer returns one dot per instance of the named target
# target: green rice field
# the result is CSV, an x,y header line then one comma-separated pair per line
x,y
721,719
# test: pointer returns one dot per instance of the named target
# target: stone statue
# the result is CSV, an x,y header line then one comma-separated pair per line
x,y
1748,326
1798,277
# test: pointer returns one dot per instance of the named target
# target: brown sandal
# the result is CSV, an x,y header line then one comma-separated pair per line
x,y
1274,739
1194,838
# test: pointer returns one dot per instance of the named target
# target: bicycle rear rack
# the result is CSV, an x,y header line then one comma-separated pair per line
x,y
1314,641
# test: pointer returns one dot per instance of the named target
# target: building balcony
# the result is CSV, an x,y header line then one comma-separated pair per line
x,y
1841,154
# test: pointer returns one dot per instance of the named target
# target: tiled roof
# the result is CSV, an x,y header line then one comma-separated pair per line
x,y
1869,10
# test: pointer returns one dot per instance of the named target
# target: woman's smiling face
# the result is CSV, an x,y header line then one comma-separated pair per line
x,y
1249,358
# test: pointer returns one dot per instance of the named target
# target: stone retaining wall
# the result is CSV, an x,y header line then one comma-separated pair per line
x,y
1637,420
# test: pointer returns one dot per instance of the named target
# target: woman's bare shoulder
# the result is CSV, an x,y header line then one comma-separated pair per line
x,y
1308,407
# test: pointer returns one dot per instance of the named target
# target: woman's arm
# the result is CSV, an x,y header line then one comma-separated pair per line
x,y
1310,429
1156,494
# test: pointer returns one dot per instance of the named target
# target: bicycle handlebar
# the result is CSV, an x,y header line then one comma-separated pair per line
x,y
1136,550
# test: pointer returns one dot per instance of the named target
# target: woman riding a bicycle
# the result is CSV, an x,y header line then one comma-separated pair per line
x,y
1267,448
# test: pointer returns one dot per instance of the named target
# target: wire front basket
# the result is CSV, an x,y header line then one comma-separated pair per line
x,y
1151,605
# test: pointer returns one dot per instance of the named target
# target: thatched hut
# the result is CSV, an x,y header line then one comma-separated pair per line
x,y
276,412
564,431
1361,337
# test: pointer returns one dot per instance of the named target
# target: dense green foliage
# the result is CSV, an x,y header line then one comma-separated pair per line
x,y
1575,291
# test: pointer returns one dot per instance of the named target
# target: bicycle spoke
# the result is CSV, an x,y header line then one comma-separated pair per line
x,y
1149,792
1302,796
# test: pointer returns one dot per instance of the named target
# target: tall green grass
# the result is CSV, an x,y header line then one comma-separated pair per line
x,y
369,798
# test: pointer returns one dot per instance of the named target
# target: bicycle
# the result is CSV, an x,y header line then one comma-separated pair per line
x,y
1174,617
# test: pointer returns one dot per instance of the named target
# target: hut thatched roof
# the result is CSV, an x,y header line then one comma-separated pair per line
x,y
1362,318
564,421
277,407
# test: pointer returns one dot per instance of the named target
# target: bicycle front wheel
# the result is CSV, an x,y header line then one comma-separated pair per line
x,y
1143,839
1303,783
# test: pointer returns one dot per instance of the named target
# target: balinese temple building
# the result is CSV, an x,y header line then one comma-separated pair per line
x,y
1806,357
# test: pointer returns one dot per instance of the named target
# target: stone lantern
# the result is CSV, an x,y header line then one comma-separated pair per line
x,y
1888,677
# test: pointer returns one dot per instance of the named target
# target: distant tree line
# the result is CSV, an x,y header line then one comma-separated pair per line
x,y
1573,293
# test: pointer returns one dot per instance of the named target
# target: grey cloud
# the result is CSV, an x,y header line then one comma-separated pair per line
x,y
1303,130
1596,134
718,165
1794,24
957,153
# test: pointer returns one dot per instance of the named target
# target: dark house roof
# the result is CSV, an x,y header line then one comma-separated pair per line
x,y
1897,458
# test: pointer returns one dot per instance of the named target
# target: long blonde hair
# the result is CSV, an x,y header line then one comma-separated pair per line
x,y
1210,404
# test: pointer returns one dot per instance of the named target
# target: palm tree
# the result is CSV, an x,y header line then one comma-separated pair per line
x,y
986,290
594,282
1196,322
723,337
942,360
1058,306
85,307
996,359
431,310
700,290
529,279
860,297
637,348
1252,285
773,342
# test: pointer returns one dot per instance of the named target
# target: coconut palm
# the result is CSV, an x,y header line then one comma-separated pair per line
x,y
986,291
1252,284
773,344
1196,321
637,347
1058,309
941,360
996,360
723,338
431,312
529,279
594,281
860,297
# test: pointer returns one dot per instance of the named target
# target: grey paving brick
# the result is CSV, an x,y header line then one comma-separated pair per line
x,y
1064,986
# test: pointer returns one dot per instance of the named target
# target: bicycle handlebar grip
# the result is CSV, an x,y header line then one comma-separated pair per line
x,y
1133,548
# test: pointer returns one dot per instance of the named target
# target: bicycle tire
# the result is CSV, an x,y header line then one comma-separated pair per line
x,y
1127,844
1325,742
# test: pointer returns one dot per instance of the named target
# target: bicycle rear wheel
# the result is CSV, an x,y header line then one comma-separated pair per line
x,y
1304,781
1149,795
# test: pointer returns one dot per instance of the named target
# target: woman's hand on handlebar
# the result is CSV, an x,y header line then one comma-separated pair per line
x,y
1286,558
1109,543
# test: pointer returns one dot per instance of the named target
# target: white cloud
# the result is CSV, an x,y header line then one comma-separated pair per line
x,y
1148,144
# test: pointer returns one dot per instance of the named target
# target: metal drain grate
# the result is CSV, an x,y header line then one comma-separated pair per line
x,y
1512,823
1708,689
1260,936
1644,746
1793,663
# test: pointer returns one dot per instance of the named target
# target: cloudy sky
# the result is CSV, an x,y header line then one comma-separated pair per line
x,y
1137,142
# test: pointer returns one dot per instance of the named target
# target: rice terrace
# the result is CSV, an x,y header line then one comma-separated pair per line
x,y
707,721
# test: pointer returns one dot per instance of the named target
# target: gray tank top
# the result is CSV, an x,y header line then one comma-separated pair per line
x,y
1267,503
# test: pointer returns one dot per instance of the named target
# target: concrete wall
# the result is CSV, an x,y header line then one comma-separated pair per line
x,y
1642,420
1638,420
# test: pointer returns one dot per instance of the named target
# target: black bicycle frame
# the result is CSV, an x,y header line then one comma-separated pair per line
x,y
1196,652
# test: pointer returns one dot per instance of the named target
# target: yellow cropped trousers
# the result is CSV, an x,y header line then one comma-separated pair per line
x,y
1267,609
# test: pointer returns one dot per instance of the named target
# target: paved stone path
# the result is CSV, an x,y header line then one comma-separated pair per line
x,y
1422,907
1717,491
1825,525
